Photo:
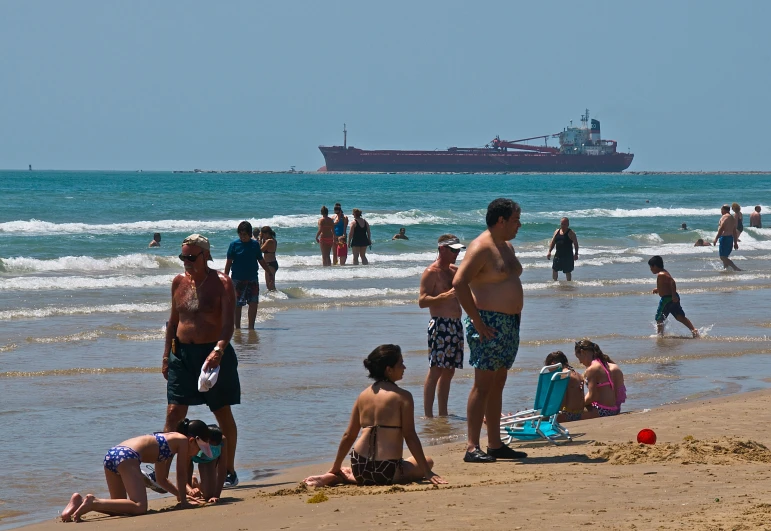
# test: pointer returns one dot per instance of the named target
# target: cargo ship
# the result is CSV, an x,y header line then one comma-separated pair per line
x,y
581,149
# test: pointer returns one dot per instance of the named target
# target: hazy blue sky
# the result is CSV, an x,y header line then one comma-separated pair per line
x,y
255,85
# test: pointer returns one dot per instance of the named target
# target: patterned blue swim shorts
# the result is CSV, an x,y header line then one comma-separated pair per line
x,y
500,351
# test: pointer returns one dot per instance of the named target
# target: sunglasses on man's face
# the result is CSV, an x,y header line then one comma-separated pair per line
x,y
453,251
190,257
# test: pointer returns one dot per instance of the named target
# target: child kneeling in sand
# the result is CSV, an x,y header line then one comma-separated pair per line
x,y
213,470
385,415
573,403
124,478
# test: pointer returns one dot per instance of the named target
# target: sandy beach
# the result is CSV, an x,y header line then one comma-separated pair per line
x,y
709,470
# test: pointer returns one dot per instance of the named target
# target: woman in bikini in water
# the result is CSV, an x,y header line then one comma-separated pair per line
x,y
604,381
385,415
268,245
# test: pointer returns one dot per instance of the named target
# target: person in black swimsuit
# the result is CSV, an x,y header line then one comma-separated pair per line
x,y
359,237
385,415
565,239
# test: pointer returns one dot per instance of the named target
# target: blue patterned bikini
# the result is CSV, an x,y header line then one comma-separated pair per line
x,y
117,454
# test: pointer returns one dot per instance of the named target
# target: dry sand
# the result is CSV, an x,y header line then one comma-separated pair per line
x,y
709,470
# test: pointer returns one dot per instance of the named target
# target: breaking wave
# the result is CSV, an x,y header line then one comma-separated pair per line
x,y
88,263
284,221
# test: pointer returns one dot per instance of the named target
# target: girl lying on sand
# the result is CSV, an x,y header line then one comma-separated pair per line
x,y
124,478
385,415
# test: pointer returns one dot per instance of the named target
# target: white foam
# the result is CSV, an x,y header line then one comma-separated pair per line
x,y
648,212
283,221
374,258
357,293
80,283
648,238
349,272
88,263
27,313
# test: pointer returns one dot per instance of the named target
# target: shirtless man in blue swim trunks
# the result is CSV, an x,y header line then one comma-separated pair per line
x,y
488,288
728,236
666,288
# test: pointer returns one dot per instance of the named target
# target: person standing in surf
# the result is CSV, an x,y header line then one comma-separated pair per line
x,y
325,236
445,329
341,229
565,240
666,288
243,256
728,236
359,237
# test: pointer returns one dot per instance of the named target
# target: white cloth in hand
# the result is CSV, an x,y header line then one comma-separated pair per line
x,y
208,378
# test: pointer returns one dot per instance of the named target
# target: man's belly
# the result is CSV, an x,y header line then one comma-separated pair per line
x,y
503,297
198,331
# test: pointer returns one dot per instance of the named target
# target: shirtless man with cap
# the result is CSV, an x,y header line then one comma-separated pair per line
x,y
489,290
445,329
197,337
728,236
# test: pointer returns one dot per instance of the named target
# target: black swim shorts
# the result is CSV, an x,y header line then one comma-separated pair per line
x,y
185,368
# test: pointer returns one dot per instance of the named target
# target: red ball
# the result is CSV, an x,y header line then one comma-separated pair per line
x,y
646,436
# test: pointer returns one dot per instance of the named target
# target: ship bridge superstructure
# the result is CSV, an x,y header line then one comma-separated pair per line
x,y
585,139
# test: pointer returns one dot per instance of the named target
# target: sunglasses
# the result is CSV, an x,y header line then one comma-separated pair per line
x,y
453,251
190,257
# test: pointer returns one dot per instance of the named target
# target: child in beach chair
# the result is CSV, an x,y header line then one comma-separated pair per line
x,y
125,481
573,403
541,421
213,470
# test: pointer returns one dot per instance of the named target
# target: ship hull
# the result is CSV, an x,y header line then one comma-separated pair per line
x,y
339,158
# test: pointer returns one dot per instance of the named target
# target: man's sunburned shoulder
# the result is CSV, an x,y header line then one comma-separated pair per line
x,y
223,278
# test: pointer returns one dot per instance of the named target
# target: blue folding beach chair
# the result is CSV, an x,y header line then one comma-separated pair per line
x,y
541,421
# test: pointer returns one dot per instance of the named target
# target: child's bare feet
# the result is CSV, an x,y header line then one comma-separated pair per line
x,y
695,333
75,501
85,507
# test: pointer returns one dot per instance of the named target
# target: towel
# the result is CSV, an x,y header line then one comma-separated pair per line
x,y
207,379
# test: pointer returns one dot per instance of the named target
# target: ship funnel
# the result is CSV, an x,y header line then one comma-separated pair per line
x,y
595,134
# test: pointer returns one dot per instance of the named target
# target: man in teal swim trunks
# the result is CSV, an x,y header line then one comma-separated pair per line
x,y
488,287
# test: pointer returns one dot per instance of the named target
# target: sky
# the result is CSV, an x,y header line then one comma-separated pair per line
x,y
174,85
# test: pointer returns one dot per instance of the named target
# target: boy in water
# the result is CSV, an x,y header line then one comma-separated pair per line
x,y
666,288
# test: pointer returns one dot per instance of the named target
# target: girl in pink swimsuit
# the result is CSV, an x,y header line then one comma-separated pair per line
x,y
601,373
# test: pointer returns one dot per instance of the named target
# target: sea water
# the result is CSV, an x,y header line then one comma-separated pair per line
x,y
83,303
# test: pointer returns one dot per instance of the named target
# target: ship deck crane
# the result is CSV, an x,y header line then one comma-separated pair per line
x,y
497,143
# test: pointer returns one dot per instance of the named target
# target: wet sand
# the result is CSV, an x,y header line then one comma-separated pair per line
x,y
709,470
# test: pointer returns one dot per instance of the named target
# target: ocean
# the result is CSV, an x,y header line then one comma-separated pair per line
x,y
83,303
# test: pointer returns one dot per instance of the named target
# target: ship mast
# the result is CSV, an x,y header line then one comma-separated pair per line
x,y
345,138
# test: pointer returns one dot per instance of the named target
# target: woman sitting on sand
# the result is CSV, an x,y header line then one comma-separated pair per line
x,y
128,495
604,381
385,415
573,403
